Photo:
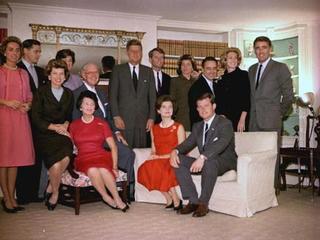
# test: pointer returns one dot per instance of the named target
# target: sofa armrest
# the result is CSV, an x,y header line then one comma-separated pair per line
x,y
142,154
256,170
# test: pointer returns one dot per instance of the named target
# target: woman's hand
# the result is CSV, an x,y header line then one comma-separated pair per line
x,y
14,104
241,126
154,156
25,107
60,129
116,172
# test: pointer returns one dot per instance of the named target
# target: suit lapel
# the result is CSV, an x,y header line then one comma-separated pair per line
x,y
253,74
212,128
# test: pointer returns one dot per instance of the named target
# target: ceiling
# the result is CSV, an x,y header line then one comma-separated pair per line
x,y
235,13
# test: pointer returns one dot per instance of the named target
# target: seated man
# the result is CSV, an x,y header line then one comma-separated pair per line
x,y
90,75
214,137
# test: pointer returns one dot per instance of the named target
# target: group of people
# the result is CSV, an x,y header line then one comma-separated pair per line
x,y
145,107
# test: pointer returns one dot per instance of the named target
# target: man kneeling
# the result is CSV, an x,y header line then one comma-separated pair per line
x,y
214,137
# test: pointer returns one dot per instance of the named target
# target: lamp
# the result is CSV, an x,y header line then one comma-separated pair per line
x,y
306,100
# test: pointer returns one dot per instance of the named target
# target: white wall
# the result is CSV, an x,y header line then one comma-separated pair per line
x,y
23,15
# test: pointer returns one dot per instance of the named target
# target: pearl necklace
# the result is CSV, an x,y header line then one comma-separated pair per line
x,y
82,118
11,68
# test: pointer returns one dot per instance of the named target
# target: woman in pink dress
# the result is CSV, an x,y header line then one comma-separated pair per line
x,y
89,134
156,173
16,147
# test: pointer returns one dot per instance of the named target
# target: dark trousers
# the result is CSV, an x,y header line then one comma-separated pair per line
x,y
212,168
27,184
126,160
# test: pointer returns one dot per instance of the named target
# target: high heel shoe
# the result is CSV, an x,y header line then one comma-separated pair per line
x,y
169,206
113,207
6,209
47,195
177,208
50,206
124,209
19,208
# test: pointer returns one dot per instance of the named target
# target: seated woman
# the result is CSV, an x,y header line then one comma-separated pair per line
x,y
156,173
89,134
51,112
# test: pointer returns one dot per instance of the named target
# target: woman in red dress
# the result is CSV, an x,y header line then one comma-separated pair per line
x,y
156,173
16,147
89,134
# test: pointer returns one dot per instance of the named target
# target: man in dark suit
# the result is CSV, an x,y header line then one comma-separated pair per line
x,y
28,178
108,63
214,138
133,96
90,75
162,80
205,84
271,93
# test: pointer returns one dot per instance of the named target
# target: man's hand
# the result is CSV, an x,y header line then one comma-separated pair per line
x,y
197,165
119,123
149,125
174,159
120,138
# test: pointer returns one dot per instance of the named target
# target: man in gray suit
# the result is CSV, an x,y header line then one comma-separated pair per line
x,y
90,75
271,93
214,137
133,96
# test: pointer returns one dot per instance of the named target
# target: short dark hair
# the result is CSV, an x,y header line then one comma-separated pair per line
x,y
28,43
8,40
207,59
63,53
87,94
133,42
205,96
262,39
187,57
164,98
53,63
157,49
108,62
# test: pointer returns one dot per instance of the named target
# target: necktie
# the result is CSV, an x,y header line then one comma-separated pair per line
x,y
206,128
258,76
34,75
134,78
158,82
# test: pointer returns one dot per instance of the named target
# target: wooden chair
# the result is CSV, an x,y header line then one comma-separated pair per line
x,y
76,189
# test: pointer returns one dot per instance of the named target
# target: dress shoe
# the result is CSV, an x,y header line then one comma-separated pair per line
x,y
180,206
109,205
19,208
6,209
169,206
190,208
201,211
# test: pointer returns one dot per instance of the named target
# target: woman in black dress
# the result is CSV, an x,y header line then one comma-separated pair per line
x,y
233,91
51,113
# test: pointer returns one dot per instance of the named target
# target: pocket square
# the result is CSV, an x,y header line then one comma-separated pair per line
x,y
215,139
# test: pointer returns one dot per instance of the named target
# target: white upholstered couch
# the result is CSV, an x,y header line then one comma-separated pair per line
x,y
250,190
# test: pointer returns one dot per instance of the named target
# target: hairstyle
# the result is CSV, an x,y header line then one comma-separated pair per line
x,y
207,59
205,96
157,49
223,58
187,57
53,63
108,62
262,39
28,43
164,98
133,42
84,68
87,94
63,53
8,40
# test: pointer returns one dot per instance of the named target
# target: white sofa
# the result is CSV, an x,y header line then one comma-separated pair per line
x,y
249,191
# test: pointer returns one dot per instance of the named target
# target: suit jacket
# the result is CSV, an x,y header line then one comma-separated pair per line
x,y
134,107
98,113
42,78
267,108
199,88
220,141
165,86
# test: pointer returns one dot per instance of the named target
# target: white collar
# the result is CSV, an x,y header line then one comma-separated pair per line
x,y
92,89
265,63
26,63
210,120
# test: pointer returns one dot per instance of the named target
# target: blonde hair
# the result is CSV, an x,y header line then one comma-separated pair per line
x,y
223,57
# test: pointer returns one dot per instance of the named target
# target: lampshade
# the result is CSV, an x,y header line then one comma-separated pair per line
x,y
306,100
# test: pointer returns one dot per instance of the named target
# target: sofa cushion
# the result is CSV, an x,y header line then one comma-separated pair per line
x,y
228,176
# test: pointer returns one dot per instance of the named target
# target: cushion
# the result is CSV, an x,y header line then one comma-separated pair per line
x,y
229,176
